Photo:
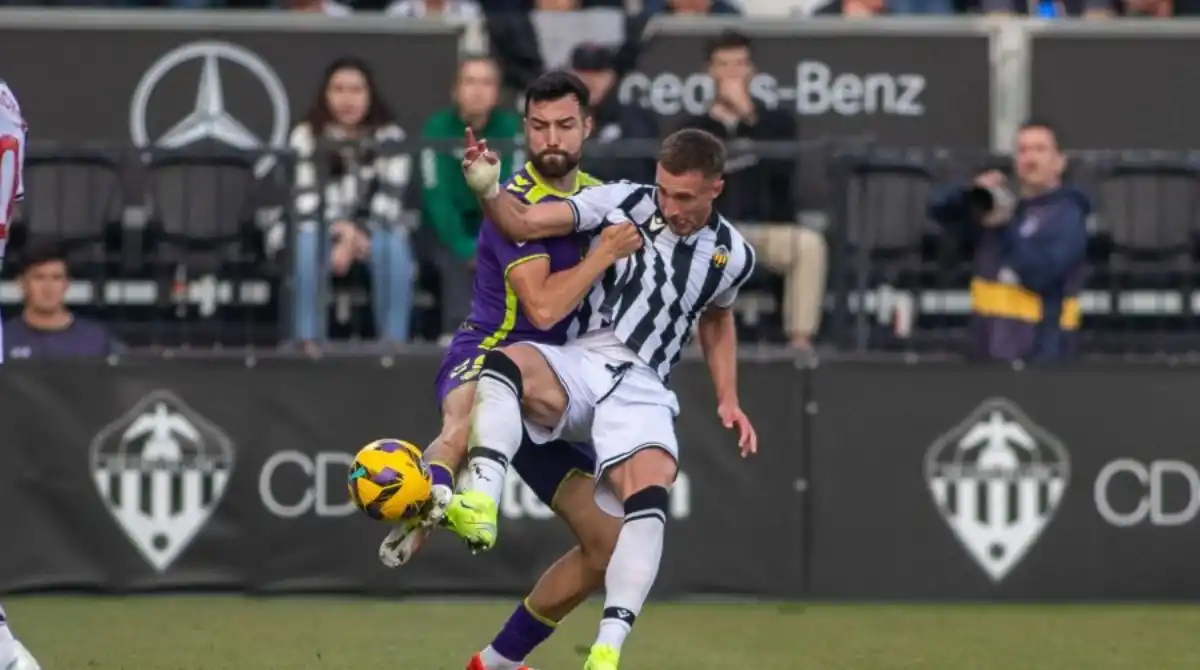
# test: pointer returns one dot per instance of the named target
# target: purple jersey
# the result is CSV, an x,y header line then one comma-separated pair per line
x,y
496,314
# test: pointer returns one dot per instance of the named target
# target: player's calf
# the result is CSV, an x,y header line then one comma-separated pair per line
x,y
642,482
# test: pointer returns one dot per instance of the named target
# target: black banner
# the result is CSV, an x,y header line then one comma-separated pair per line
x,y
1116,90
911,481
903,87
938,481
188,474
98,77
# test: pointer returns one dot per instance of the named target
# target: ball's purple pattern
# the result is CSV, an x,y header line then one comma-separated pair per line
x,y
386,477
389,446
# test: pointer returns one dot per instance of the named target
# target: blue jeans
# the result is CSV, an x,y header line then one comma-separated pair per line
x,y
392,272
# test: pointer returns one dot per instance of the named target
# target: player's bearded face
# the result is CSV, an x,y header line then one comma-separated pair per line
x,y
554,133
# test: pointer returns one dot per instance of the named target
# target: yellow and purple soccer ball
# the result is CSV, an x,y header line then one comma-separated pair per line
x,y
389,481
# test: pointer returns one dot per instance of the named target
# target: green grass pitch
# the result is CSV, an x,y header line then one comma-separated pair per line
x,y
235,633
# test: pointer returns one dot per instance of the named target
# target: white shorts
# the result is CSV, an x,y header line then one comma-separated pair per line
x,y
615,402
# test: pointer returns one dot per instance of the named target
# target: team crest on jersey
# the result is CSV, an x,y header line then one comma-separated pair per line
x,y
720,257
161,469
997,479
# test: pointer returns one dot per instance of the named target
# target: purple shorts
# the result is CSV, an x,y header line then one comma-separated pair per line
x,y
543,467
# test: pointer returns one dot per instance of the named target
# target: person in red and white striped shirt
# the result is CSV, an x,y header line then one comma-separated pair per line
x,y
13,134
13,656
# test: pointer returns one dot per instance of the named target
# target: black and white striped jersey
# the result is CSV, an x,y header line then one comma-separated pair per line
x,y
651,299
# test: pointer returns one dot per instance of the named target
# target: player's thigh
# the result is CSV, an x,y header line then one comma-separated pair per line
x,y
636,446
545,374
594,528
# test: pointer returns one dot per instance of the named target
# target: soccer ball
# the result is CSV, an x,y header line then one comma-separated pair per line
x,y
389,481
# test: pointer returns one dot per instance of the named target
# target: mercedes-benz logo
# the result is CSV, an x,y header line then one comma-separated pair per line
x,y
210,120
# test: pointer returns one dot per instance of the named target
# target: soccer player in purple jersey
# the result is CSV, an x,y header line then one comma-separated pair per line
x,y
524,292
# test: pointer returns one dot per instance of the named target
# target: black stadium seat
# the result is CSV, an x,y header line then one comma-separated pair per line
x,y
1148,219
76,201
893,253
206,253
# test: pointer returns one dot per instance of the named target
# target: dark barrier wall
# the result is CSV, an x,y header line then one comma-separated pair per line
x,y
927,481
1075,483
212,475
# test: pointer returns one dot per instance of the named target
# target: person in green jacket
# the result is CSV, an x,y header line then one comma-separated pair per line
x,y
447,204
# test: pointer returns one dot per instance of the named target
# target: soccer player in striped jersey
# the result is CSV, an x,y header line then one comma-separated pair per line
x,y
609,383
13,137
525,292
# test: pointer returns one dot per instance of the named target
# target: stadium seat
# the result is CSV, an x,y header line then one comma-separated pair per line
x,y
895,255
76,201
206,254
1147,223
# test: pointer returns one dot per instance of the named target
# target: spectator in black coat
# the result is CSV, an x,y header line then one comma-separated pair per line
x,y
759,190
596,66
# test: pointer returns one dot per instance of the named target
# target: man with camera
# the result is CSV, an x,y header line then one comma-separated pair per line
x,y
1030,250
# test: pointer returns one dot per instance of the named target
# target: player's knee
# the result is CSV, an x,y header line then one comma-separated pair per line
x,y
498,366
649,466
650,501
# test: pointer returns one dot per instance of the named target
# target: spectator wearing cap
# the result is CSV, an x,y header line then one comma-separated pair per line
x,y
46,328
758,193
596,66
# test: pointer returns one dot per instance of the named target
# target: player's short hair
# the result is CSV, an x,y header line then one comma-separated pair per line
x,y
728,39
41,253
692,150
556,86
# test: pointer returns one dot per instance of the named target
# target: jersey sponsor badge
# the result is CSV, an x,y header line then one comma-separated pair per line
x,y
720,257
997,479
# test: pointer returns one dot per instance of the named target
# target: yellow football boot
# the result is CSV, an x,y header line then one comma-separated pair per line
x,y
472,515
602,657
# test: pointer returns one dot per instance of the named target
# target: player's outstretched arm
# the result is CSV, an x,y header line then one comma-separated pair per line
x,y
718,340
549,298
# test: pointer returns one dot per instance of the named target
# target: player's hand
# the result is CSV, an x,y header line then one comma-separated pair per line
x,y
733,417
481,168
620,240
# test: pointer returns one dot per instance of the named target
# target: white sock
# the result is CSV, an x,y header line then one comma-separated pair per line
x,y
634,564
496,424
493,660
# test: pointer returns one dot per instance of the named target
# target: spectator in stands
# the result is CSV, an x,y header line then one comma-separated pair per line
x,y
447,204
857,9
348,191
692,7
1030,252
595,65
46,328
326,7
461,10
759,190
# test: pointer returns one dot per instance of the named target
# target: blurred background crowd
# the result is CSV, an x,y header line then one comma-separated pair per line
x,y
366,230
612,12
